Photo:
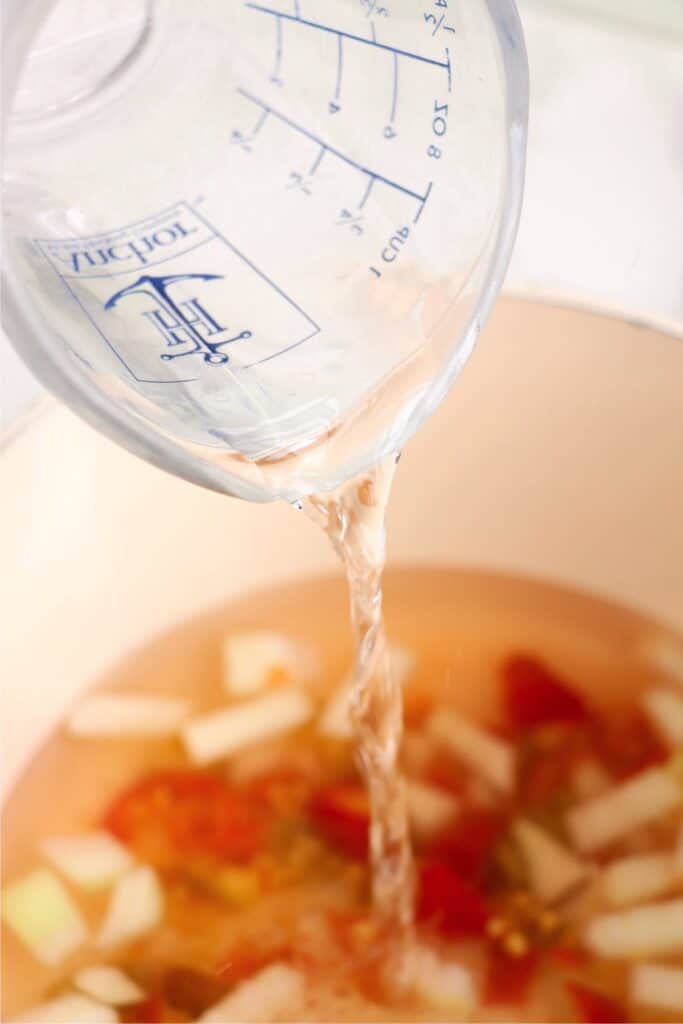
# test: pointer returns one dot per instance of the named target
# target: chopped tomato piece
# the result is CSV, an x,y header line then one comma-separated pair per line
x,y
627,743
448,901
193,991
508,978
151,1011
468,843
172,815
286,792
342,813
533,695
595,1007
569,956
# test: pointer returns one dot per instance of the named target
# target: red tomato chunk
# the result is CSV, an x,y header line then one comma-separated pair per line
x,y
342,814
467,844
450,903
176,814
533,695
508,978
594,1007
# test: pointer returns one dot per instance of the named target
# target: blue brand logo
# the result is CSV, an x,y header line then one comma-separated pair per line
x,y
169,286
185,325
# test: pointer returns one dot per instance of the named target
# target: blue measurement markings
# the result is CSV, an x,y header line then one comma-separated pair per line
x,y
437,21
244,141
347,35
325,147
364,40
372,7
334,104
394,91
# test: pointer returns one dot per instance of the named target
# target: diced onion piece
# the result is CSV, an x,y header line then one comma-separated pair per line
x,y
664,708
666,654
657,985
623,809
443,985
273,992
654,929
38,908
72,1008
92,860
487,755
108,985
127,714
335,719
136,906
253,659
403,663
222,732
430,809
639,878
553,870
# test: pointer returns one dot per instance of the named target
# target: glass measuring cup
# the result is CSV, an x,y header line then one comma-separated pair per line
x,y
256,242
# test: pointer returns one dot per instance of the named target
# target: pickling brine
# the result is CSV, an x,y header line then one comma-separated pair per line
x,y
212,861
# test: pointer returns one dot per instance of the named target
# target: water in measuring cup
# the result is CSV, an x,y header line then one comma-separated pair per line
x,y
265,237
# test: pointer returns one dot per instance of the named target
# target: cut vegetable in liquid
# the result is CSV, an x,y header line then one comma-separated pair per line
x,y
657,985
664,653
595,1006
335,719
553,870
491,758
403,663
69,1009
443,985
665,710
342,814
276,991
226,870
110,714
622,810
136,906
533,695
430,809
41,912
92,860
639,878
253,660
108,985
180,814
652,930
221,733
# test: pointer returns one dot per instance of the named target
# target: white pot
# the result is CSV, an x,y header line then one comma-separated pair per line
x,y
557,454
